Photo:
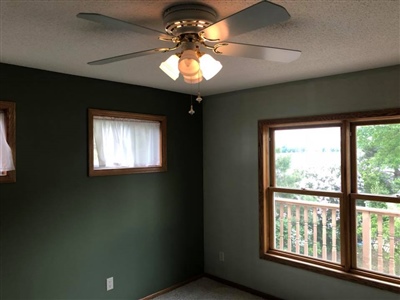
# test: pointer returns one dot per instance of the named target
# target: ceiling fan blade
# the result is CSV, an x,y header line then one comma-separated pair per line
x,y
257,52
108,21
257,16
127,56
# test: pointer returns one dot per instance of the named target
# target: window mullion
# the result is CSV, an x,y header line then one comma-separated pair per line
x,y
271,149
264,181
351,202
345,203
307,192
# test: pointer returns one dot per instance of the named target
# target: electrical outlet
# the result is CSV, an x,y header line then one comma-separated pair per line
x,y
221,256
110,283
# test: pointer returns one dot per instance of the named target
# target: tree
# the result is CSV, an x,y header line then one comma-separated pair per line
x,y
379,158
284,176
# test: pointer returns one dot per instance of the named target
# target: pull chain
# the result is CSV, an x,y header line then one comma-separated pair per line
x,y
198,99
191,111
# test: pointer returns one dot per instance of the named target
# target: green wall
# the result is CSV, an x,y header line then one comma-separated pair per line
x,y
63,233
231,176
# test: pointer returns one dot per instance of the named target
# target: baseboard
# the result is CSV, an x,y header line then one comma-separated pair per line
x,y
242,287
173,287
224,281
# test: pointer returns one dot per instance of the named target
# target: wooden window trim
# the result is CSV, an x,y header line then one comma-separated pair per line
x,y
346,269
92,113
10,118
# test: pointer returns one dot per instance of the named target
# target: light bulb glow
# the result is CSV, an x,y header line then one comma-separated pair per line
x,y
198,77
209,66
170,67
189,63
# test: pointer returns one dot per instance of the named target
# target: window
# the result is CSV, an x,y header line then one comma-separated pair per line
x,y
7,142
330,195
126,143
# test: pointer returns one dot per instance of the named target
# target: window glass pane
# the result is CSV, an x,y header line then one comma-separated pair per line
x,y
378,236
308,158
307,225
378,159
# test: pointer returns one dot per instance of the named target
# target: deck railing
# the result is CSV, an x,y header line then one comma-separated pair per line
x,y
381,244
313,229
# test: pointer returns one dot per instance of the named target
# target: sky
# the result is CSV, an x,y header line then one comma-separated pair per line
x,y
310,138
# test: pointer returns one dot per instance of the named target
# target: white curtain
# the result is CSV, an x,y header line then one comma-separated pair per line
x,y
6,159
124,143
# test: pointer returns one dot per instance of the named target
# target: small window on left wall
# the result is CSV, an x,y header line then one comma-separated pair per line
x,y
126,143
7,142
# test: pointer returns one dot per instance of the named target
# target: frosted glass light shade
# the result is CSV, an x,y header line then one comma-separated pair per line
x,y
209,66
189,63
170,66
194,79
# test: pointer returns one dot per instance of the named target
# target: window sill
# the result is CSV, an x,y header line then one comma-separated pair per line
x,y
8,177
125,171
334,270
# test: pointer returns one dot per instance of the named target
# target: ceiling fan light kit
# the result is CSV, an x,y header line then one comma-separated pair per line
x,y
191,64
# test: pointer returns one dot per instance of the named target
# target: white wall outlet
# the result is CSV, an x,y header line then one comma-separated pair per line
x,y
221,256
110,283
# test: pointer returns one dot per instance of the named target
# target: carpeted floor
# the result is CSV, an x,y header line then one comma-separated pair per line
x,y
206,289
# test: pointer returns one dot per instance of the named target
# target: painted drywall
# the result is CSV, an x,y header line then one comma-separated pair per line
x,y
63,233
231,176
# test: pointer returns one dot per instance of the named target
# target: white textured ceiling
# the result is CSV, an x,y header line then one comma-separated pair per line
x,y
335,36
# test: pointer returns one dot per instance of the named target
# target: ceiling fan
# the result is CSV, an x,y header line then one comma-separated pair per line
x,y
194,28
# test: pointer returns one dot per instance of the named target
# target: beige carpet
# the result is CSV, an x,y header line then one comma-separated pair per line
x,y
207,289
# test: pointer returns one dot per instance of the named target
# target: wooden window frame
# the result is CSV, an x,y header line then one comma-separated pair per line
x,y
347,268
10,118
92,113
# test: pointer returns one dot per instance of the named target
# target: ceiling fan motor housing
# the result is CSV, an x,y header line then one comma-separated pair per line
x,y
188,18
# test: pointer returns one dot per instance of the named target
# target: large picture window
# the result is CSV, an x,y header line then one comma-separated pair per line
x,y
330,195
125,143
7,142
